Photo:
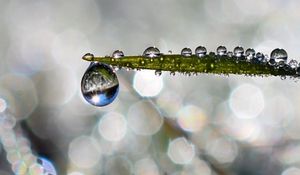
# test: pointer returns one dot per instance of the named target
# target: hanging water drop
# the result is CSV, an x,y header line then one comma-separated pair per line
x,y
279,55
221,50
151,52
186,52
238,51
88,57
99,84
158,72
200,51
117,54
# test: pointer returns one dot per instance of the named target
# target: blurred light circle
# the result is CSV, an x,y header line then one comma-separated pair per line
x,y
83,152
191,118
291,171
13,156
164,99
118,165
19,167
147,84
112,126
8,121
146,167
19,93
143,118
197,167
3,105
36,169
223,150
181,151
246,101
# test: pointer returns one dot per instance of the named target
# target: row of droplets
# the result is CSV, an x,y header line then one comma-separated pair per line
x,y
101,94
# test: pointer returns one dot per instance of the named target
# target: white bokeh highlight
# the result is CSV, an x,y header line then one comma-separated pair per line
x,y
112,126
147,84
246,101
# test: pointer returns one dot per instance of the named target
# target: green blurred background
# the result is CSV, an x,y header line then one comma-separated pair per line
x,y
168,125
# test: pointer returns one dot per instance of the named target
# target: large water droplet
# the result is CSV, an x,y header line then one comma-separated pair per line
x,y
186,52
99,84
279,55
200,51
238,51
221,50
151,52
118,54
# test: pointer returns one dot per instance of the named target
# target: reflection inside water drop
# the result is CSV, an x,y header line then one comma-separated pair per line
x,y
99,84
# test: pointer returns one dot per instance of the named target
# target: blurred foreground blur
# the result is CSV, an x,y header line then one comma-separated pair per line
x,y
174,125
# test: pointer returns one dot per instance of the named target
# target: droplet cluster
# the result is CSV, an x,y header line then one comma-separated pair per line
x,y
100,84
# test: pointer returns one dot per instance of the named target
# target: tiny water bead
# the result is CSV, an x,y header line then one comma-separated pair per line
x,y
279,55
151,52
250,53
200,51
186,52
293,64
221,50
238,51
99,84
88,56
118,54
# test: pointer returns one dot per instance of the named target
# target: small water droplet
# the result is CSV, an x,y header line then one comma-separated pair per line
x,y
169,51
279,55
293,64
88,57
250,53
221,50
186,52
260,57
99,84
200,51
158,72
151,52
238,51
230,54
117,54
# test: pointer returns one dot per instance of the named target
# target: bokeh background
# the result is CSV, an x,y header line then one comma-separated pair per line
x,y
168,125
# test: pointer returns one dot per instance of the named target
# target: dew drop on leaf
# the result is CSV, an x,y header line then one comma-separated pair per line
x,y
238,51
279,55
118,54
221,50
200,51
186,52
151,52
99,84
